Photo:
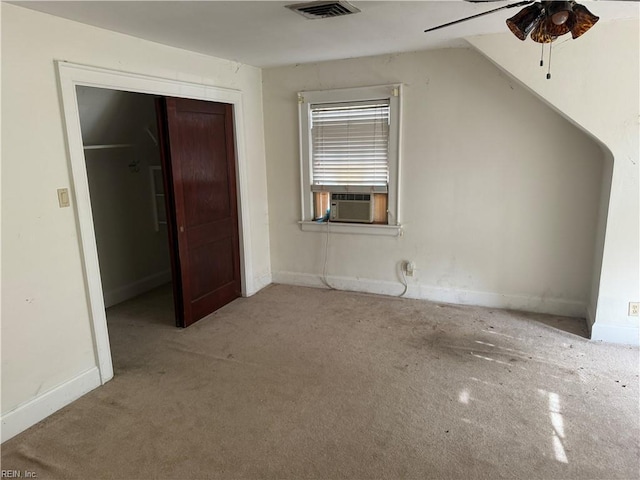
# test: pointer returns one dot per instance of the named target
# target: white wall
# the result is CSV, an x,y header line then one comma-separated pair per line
x,y
46,329
134,256
499,193
595,84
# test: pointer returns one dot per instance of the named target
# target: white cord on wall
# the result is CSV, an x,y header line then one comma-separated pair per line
x,y
326,257
404,279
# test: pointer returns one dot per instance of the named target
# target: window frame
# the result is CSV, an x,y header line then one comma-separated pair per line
x,y
391,93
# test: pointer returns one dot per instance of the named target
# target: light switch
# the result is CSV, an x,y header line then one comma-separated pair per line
x,y
63,197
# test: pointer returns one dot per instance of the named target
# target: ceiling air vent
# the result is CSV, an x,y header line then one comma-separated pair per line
x,y
323,9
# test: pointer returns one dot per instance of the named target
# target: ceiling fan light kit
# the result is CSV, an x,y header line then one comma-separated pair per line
x,y
544,20
547,21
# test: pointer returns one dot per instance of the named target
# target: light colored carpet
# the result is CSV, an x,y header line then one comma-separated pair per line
x,y
304,383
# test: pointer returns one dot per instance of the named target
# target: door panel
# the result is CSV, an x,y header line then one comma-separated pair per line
x,y
216,261
199,152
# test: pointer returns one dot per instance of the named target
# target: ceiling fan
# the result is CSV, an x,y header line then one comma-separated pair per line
x,y
544,20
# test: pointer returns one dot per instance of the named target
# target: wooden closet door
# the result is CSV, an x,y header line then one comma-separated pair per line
x,y
200,174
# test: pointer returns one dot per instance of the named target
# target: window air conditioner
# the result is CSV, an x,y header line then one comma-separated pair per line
x,y
351,207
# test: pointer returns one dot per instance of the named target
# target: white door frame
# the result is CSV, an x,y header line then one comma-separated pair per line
x,y
72,75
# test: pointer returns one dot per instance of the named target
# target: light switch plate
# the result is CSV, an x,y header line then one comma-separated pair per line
x,y
63,197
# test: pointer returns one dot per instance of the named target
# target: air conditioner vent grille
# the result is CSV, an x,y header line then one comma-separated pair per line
x,y
351,207
323,9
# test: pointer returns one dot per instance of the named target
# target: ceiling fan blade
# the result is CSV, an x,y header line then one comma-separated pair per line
x,y
512,5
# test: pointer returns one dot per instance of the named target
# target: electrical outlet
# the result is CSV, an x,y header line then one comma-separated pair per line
x,y
409,268
634,308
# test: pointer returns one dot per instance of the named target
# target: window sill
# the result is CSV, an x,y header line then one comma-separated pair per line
x,y
352,228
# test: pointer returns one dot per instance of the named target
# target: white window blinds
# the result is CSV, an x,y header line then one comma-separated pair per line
x,y
350,146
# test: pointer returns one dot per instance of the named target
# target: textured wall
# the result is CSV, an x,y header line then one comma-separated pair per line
x,y
499,193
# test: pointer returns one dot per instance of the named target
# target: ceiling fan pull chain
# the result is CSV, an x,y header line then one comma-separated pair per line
x,y
542,55
549,70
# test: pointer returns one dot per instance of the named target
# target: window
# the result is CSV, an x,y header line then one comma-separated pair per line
x,y
350,145
349,141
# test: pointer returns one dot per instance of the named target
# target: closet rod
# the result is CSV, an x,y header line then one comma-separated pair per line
x,y
110,145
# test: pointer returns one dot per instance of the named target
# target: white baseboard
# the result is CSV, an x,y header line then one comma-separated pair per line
x,y
259,283
301,279
40,407
554,306
615,334
525,303
120,294
591,317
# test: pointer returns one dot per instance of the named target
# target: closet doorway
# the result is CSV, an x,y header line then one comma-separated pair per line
x,y
162,187
73,75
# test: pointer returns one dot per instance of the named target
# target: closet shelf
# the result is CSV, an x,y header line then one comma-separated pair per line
x,y
108,145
